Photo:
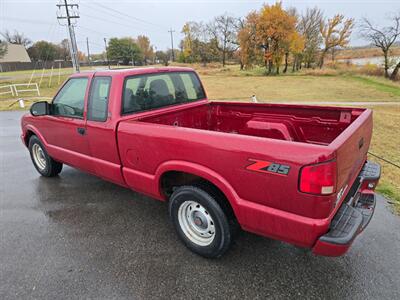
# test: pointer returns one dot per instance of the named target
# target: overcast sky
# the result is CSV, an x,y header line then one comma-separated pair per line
x,y
37,19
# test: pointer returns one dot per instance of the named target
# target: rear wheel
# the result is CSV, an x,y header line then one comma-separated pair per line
x,y
200,221
43,163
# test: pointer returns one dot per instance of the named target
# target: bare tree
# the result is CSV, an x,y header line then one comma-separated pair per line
x,y
223,28
3,49
335,33
383,38
63,50
16,38
198,44
309,28
292,11
239,25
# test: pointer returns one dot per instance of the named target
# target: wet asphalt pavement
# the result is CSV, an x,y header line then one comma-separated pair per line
x,y
77,236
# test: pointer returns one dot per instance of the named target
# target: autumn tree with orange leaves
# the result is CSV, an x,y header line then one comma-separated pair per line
x,y
249,52
144,45
273,37
269,32
296,48
335,33
273,31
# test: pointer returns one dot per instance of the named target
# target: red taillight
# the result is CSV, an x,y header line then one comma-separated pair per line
x,y
319,179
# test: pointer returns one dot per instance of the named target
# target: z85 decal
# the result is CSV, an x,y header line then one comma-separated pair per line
x,y
268,167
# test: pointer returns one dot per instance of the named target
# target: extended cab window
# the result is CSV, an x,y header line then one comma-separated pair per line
x,y
144,92
98,99
70,100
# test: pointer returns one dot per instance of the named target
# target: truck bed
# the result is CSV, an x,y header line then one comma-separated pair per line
x,y
295,135
305,124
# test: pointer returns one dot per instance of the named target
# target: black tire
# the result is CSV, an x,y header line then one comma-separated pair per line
x,y
223,229
51,167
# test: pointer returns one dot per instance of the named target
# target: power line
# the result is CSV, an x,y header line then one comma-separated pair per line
x,y
385,160
90,43
129,16
37,21
91,30
118,17
24,20
129,26
108,21
70,16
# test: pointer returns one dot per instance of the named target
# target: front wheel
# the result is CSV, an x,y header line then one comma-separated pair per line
x,y
43,163
200,221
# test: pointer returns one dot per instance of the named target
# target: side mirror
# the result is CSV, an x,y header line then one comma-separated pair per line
x,y
41,108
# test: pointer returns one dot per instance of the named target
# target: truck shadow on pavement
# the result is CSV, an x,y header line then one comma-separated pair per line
x,y
104,241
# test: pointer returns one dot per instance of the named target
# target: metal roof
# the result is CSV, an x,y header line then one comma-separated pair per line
x,y
15,53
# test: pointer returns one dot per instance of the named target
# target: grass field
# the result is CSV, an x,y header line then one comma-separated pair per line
x,y
386,143
327,86
300,88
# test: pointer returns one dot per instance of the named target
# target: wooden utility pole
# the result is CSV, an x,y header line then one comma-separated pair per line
x,y
172,44
72,41
88,53
105,45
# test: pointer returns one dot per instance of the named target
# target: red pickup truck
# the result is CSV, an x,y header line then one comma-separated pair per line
x,y
295,173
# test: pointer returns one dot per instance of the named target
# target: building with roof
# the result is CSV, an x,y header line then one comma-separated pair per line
x,y
15,53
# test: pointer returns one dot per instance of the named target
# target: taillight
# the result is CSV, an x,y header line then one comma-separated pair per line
x,y
319,179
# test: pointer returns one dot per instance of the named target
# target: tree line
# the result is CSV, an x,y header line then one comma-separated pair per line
x,y
276,38
132,51
40,50
272,37
126,50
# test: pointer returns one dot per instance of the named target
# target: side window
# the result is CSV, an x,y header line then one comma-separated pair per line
x,y
70,100
131,89
98,99
190,88
194,85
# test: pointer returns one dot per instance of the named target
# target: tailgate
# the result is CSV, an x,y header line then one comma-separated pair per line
x,y
351,150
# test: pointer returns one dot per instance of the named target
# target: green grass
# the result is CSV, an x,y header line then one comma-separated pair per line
x,y
28,73
47,90
378,84
388,191
386,143
296,88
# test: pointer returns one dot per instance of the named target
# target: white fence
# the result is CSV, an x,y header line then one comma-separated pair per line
x,y
27,88
16,89
7,87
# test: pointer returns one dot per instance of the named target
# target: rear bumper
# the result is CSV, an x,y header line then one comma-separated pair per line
x,y
353,216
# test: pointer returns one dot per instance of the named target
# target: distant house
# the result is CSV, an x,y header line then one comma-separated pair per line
x,y
15,53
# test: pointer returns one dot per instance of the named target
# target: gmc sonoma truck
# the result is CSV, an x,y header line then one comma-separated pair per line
x,y
295,173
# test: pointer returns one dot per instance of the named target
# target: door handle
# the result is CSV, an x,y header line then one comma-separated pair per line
x,y
81,130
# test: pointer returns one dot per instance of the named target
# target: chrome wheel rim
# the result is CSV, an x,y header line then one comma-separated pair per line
x,y
196,223
39,157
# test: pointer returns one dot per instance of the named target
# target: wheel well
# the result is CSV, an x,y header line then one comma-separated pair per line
x,y
28,135
173,179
